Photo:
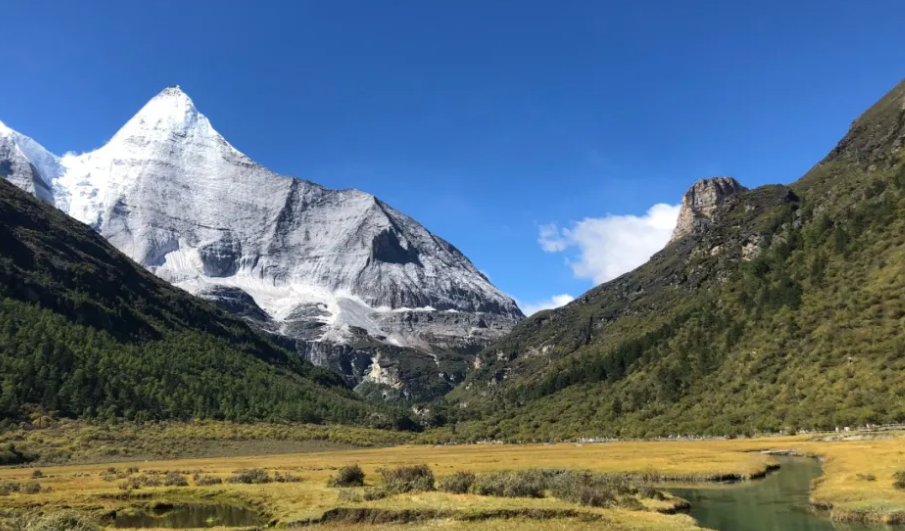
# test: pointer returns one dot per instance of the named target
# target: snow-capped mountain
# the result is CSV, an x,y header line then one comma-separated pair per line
x,y
314,264
27,164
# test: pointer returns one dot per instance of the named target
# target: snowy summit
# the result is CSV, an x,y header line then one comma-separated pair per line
x,y
306,261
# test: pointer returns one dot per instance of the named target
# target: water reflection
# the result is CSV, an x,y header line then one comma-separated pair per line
x,y
778,502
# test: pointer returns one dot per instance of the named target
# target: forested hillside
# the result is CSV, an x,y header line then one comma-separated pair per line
x,y
85,332
786,312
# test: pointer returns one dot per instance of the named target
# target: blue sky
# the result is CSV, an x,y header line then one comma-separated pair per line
x,y
512,128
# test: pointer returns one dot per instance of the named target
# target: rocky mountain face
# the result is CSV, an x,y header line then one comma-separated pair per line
x,y
339,275
775,308
700,204
87,333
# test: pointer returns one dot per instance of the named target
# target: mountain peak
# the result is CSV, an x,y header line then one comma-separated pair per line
x,y
170,111
4,130
700,202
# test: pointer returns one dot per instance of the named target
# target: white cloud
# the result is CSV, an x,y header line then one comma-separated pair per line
x,y
551,240
610,246
553,302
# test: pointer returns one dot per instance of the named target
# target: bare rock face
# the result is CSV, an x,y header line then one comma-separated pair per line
x,y
701,202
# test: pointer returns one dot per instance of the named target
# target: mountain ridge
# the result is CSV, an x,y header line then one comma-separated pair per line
x,y
781,314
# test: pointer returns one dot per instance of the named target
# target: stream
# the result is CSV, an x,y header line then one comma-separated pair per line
x,y
779,502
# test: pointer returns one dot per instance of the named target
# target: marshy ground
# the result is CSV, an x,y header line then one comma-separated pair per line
x,y
292,489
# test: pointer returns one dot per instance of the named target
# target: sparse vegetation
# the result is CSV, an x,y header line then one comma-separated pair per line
x,y
30,487
204,481
174,478
63,520
286,477
9,487
249,476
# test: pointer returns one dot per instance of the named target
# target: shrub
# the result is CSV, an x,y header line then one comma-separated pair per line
x,y
512,484
8,487
37,474
32,487
132,483
150,480
348,476
288,477
415,478
203,481
249,476
175,479
899,480
132,470
457,483
594,490
866,477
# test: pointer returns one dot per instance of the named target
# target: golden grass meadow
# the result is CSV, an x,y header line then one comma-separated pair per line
x,y
99,490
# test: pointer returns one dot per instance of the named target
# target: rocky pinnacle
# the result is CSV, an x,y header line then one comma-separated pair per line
x,y
700,203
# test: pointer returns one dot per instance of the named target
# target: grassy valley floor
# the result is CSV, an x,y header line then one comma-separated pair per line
x,y
857,483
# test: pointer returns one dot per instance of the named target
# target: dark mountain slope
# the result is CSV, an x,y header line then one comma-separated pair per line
x,y
783,311
85,332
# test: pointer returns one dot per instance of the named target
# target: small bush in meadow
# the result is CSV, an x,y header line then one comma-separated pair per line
x,y
512,484
132,483
175,479
417,478
457,482
866,477
203,481
287,477
250,476
348,476
898,480
150,480
37,474
8,487
31,487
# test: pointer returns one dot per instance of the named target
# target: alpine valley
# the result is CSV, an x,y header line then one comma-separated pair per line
x,y
772,308
336,275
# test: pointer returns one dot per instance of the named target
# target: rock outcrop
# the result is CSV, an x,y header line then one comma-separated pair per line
x,y
700,204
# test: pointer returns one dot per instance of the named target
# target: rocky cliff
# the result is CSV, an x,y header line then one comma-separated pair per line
x,y
700,204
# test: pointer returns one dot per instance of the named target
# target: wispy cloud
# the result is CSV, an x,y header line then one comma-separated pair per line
x,y
553,302
612,245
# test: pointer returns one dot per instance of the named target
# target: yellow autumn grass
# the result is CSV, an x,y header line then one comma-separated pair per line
x,y
82,486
